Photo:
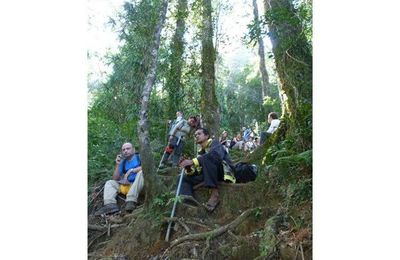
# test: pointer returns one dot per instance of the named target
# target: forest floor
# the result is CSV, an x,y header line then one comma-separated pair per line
x,y
249,223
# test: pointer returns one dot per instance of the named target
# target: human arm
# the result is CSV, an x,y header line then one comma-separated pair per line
x,y
178,126
132,170
117,173
274,125
216,153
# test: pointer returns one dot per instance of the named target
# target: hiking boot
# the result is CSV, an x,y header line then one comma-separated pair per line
x,y
107,209
130,206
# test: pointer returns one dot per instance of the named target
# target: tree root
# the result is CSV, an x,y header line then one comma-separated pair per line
x,y
197,224
180,221
204,253
216,232
102,228
91,243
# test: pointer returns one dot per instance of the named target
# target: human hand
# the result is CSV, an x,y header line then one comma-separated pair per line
x,y
185,163
129,172
118,159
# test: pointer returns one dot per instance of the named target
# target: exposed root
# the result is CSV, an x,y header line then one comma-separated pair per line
x,y
91,243
180,221
216,232
203,255
301,250
197,224
103,228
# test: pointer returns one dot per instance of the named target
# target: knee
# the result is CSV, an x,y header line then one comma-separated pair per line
x,y
109,183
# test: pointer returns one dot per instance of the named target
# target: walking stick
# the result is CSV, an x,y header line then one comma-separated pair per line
x,y
175,202
159,165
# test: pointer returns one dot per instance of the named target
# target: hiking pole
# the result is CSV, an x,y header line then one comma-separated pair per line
x,y
175,202
177,143
159,165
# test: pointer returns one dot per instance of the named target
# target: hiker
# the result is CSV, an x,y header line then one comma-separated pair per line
x,y
208,167
127,179
274,124
180,128
194,122
246,133
250,145
224,140
237,142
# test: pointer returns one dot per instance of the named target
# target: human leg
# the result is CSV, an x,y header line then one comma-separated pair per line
x,y
212,171
110,192
110,203
136,188
177,153
188,182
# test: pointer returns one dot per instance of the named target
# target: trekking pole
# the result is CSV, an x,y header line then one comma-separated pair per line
x,y
159,165
175,202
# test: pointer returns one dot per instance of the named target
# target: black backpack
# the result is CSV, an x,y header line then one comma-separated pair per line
x,y
245,172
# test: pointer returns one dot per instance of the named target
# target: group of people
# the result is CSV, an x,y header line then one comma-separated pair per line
x,y
206,168
247,139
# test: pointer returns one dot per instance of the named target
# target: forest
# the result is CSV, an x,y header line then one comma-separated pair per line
x,y
172,57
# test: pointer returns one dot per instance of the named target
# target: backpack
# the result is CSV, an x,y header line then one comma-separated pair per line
x,y
245,172
131,177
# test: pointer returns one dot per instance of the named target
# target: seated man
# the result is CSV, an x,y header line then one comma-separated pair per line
x,y
208,167
249,145
224,140
274,124
127,179
237,142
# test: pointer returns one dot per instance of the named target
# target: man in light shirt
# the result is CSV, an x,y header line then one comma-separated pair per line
x,y
274,124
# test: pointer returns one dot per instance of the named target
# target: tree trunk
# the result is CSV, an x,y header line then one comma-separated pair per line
x,y
209,104
265,85
173,81
152,183
293,60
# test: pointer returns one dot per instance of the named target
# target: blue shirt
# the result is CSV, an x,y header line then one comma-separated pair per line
x,y
133,163
246,134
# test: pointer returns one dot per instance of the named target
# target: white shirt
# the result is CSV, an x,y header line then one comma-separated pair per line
x,y
274,125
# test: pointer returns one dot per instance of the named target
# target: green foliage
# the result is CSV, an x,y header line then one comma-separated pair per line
x,y
298,192
304,11
104,142
268,239
258,212
163,200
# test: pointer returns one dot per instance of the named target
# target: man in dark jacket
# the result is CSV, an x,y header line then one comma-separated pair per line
x,y
208,167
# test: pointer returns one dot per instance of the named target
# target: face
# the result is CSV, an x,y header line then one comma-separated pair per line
x,y
192,122
269,119
225,134
127,150
178,114
200,136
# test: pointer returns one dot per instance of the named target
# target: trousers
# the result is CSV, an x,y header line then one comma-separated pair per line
x,y
111,189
